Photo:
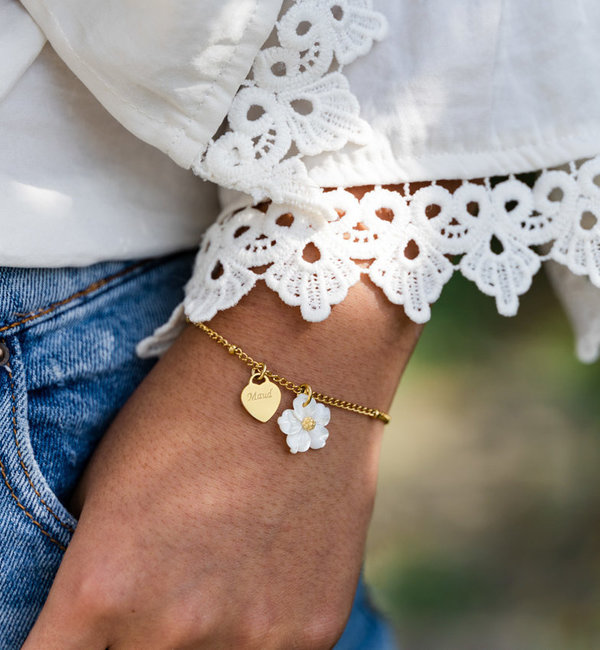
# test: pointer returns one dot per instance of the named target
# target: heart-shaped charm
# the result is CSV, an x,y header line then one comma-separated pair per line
x,y
262,399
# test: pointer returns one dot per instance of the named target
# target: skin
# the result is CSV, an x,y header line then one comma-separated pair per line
x,y
198,528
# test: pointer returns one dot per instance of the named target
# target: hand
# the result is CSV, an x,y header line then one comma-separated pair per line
x,y
198,528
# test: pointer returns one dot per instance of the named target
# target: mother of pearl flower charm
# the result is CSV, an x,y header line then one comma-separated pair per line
x,y
304,424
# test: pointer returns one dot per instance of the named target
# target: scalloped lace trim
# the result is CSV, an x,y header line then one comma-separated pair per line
x,y
409,245
295,103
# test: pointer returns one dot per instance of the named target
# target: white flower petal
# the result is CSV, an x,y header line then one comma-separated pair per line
x,y
289,423
318,437
322,414
300,410
298,442
310,410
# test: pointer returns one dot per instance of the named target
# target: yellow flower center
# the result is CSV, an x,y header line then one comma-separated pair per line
x,y
308,424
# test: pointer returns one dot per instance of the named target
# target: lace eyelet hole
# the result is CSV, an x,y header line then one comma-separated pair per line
x,y
311,253
217,271
337,12
303,28
412,250
588,220
432,210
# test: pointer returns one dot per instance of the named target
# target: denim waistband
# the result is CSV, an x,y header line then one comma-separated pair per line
x,y
27,294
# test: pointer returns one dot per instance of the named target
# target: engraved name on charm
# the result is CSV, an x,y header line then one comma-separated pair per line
x,y
253,395
261,400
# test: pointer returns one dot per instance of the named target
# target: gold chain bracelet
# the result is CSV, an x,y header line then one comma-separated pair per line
x,y
261,398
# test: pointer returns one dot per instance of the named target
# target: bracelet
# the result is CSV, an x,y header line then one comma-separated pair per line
x,y
305,424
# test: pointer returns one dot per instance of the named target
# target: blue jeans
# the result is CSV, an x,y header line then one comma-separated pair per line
x,y
67,365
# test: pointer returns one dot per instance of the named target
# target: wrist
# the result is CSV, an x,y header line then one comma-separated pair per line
x,y
357,354
359,349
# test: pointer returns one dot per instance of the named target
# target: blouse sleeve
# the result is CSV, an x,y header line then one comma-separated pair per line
x,y
295,103
311,244
166,70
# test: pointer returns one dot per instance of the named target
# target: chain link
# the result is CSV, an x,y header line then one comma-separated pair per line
x,y
258,366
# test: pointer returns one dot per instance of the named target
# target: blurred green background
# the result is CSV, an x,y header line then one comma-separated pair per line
x,y
486,530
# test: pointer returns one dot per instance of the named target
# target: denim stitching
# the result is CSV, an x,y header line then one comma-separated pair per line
x,y
27,513
79,294
22,462
32,316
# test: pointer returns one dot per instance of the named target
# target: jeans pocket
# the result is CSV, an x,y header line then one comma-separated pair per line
x,y
71,368
28,488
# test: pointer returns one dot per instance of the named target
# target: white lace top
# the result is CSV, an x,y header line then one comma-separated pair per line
x,y
390,92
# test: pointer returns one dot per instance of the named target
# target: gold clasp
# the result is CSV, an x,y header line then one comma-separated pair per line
x,y
307,390
384,417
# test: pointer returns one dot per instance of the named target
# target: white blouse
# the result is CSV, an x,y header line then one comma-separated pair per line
x,y
275,102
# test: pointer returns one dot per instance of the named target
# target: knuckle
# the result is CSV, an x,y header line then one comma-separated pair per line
x,y
177,633
97,592
255,630
188,624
